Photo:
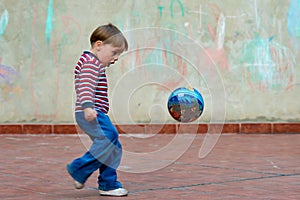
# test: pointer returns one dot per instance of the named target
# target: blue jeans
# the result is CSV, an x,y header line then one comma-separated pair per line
x,y
104,154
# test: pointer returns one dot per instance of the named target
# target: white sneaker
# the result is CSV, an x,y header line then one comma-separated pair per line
x,y
78,185
117,192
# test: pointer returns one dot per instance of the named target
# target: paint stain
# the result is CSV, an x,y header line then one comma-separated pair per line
x,y
7,74
160,8
180,6
3,22
293,22
49,25
267,65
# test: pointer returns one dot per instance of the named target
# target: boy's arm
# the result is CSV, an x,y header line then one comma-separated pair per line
x,y
88,79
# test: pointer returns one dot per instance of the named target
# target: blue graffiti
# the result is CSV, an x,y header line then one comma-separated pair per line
x,y
7,74
3,22
293,22
49,26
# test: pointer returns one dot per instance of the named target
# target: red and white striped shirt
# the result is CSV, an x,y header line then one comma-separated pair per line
x,y
91,84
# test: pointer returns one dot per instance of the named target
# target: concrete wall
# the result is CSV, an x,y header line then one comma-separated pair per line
x,y
243,56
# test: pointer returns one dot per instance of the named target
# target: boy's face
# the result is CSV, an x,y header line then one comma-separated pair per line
x,y
107,53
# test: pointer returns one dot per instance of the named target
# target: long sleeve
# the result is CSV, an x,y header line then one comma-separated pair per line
x,y
86,83
91,84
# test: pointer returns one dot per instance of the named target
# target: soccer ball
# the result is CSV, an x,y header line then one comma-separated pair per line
x,y
185,104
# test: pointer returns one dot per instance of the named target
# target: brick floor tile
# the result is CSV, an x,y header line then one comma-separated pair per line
x,y
240,166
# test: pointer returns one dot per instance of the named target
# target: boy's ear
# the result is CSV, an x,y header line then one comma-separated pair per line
x,y
98,43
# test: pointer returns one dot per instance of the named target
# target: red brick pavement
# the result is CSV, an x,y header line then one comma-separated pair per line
x,y
240,166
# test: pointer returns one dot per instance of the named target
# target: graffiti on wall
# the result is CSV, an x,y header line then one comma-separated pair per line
x,y
61,30
251,40
7,73
49,26
266,63
55,41
3,22
8,76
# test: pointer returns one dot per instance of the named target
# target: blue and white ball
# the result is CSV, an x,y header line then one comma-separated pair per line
x,y
185,104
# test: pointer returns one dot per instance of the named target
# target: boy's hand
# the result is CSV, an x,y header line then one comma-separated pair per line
x,y
90,114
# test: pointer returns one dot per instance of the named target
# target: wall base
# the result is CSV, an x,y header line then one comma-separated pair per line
x,y
257,128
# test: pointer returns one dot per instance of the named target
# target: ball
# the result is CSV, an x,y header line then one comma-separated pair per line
x,y
185,104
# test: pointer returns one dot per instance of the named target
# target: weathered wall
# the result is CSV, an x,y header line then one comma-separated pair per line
x,y
243,56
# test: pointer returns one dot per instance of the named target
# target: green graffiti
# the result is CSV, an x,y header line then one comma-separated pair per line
x,y
298,31
160,8
267,64
258,60
180,6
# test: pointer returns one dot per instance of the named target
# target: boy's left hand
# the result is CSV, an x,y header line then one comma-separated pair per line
x,y
90,114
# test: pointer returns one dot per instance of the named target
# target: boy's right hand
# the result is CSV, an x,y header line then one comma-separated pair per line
x,y
90,114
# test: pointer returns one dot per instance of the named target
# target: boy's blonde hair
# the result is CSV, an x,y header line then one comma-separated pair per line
x,y
109,34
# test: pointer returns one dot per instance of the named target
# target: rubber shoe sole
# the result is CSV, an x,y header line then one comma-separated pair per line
x,y
77,185
115,193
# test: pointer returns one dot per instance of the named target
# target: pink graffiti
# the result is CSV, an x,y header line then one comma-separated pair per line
x,y
54,46
181,65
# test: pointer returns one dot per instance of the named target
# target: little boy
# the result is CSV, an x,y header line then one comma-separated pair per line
x,y
107,43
